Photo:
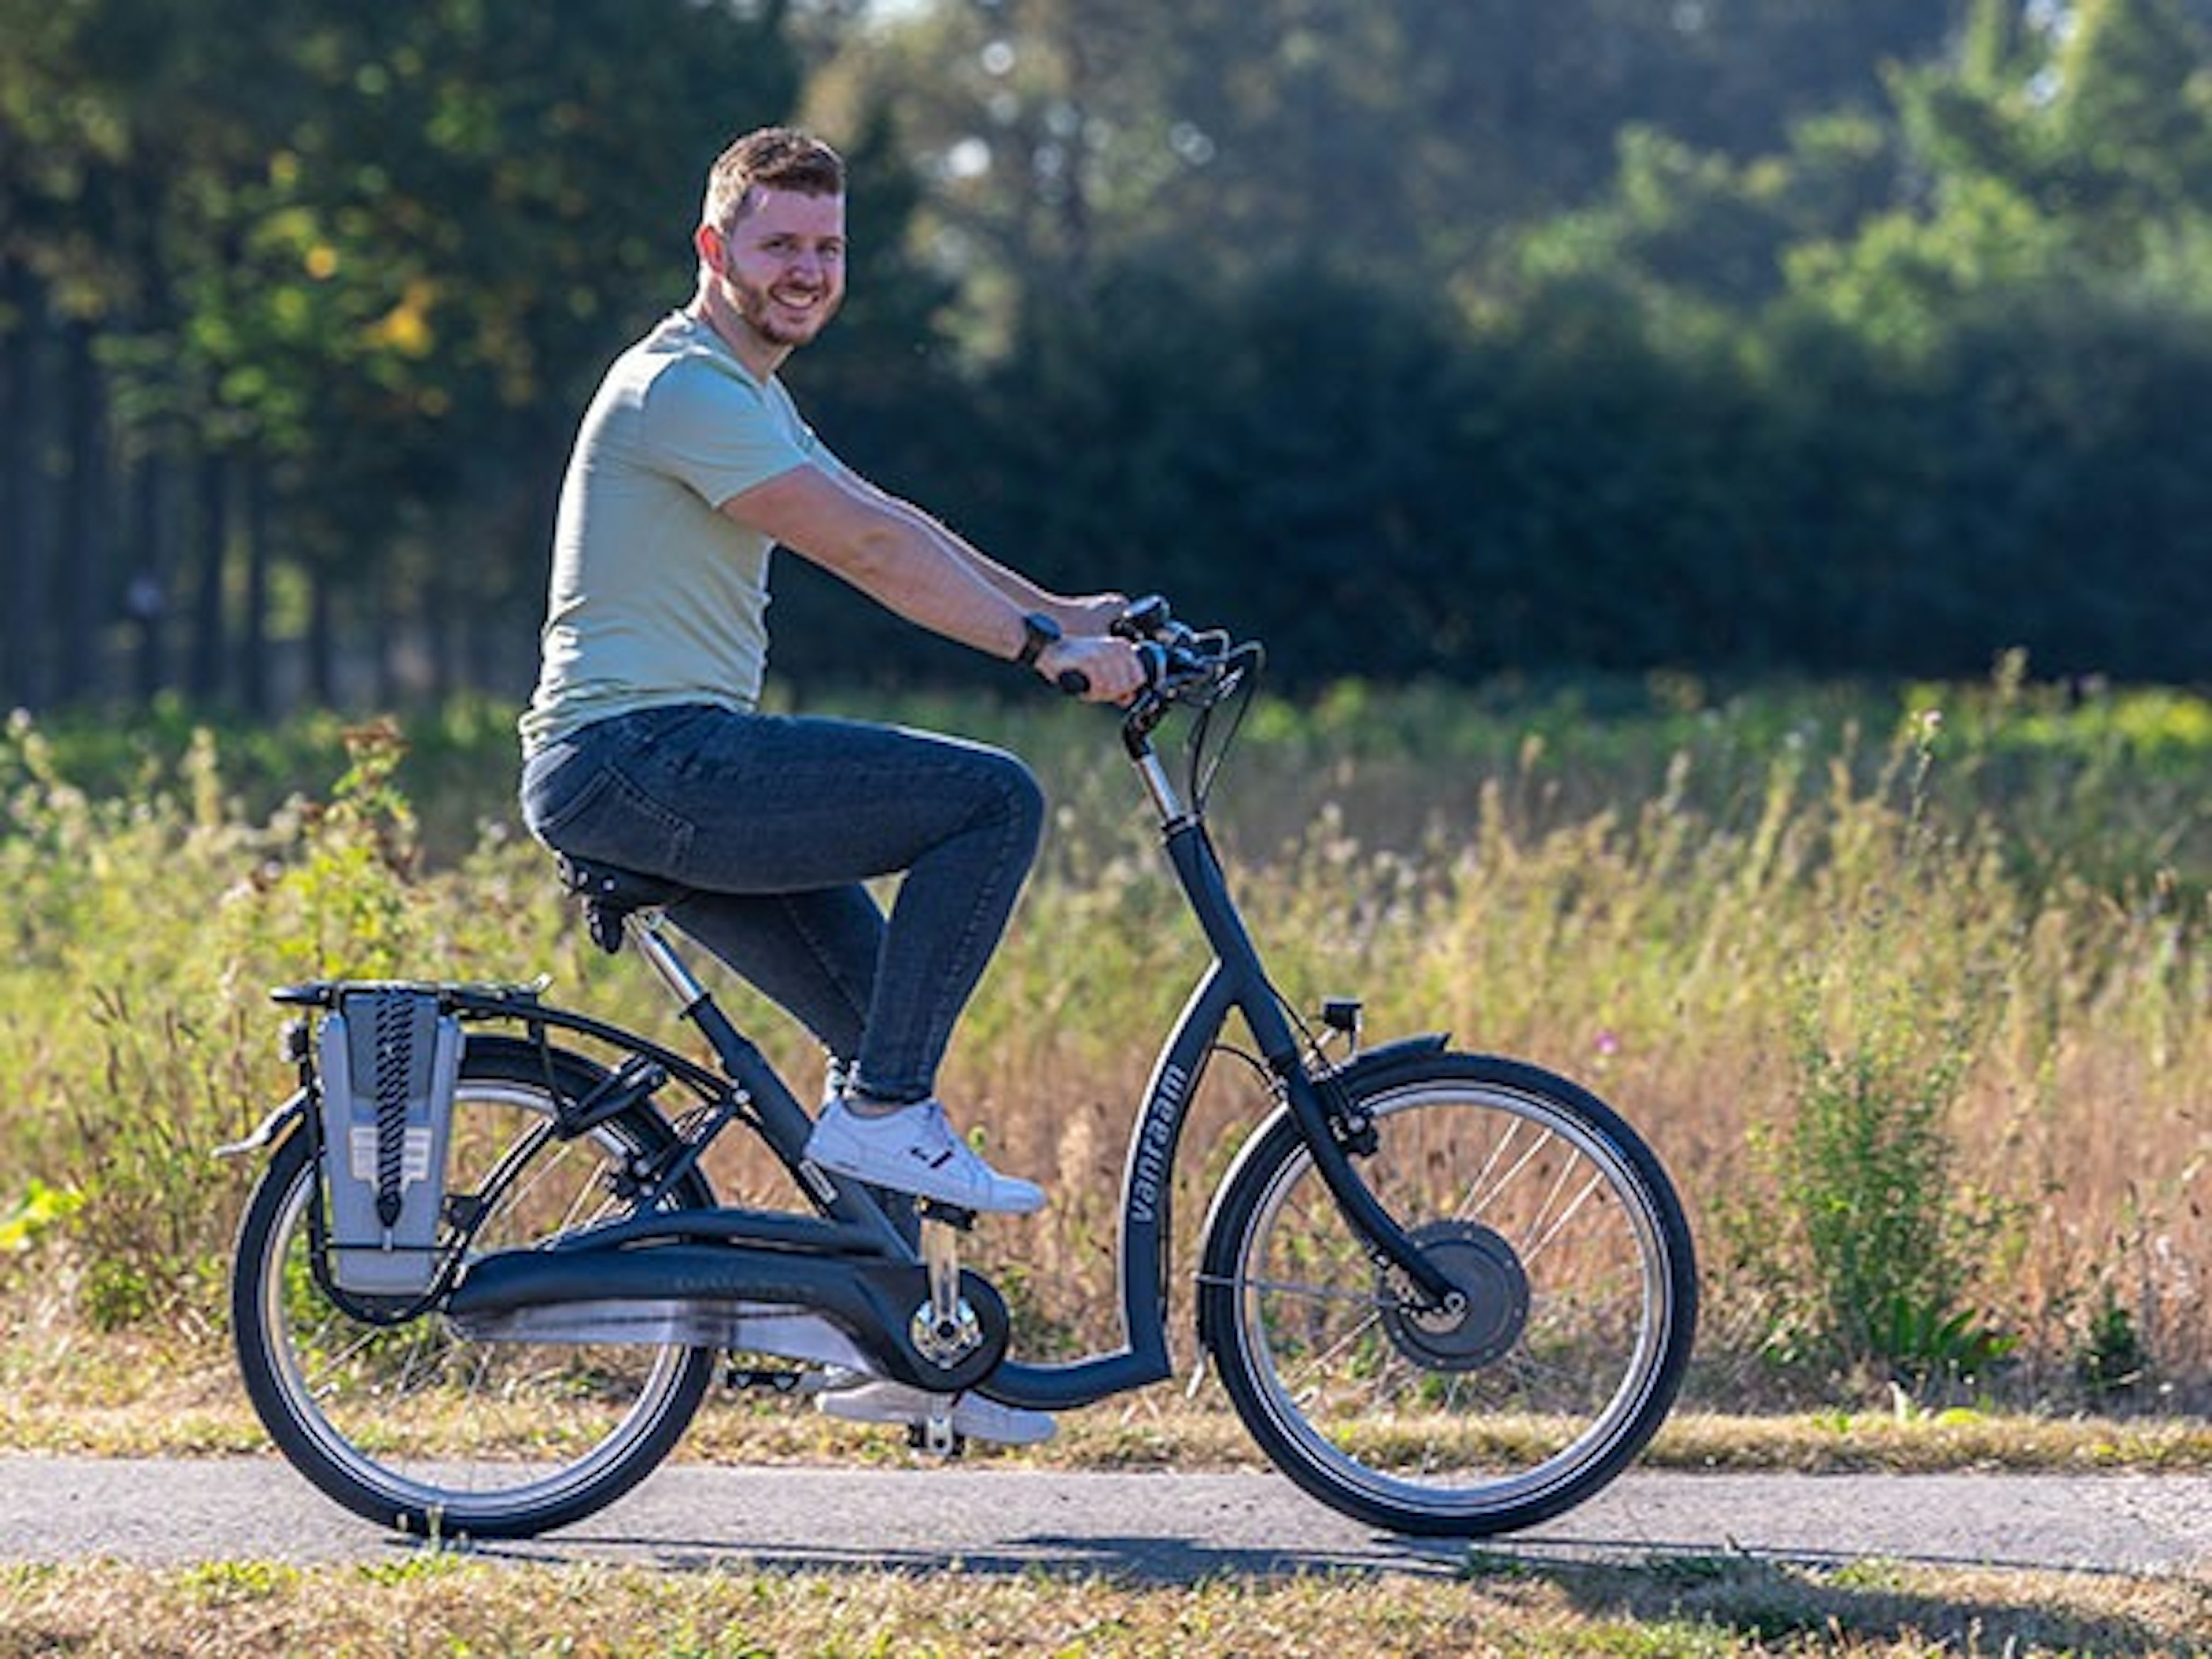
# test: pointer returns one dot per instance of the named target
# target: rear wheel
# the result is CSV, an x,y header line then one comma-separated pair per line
x,y
413,1425
1569,1245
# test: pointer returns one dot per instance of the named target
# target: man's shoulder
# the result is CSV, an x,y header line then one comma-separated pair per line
x,y
680,353
671,381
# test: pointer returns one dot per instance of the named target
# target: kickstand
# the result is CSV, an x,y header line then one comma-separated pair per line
x,y
935,1434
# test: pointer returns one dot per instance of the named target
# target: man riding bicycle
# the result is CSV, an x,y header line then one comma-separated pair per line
x,y
644,745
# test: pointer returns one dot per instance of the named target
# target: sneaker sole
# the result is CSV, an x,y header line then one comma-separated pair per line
x,y
853,1171
970,1423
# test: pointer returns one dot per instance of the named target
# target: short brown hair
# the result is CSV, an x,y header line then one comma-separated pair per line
x,y
771,158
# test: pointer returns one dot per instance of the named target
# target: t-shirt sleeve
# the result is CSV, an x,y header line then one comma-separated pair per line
x,y
716,434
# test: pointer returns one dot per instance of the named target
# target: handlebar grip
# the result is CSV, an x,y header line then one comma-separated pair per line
x,y
1073,681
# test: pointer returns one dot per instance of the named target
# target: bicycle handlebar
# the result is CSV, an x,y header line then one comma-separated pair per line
x,y
1177,657
1183,663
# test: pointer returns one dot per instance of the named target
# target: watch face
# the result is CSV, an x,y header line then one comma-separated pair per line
x,y
1038,631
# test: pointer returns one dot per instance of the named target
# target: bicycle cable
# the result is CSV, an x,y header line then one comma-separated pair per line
x,y
1234,683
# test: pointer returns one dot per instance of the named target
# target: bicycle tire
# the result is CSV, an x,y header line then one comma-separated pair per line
x,y
412,1425
1559,1222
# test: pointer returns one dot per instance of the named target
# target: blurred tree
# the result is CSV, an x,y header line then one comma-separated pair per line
x,y
1740,330
1757,66
480,202
1956,325
1685,226
1386,139
346,273
2098,114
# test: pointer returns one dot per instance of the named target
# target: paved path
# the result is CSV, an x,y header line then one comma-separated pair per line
x,y
1173,1528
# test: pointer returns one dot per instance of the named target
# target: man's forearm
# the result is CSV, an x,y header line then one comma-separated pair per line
x,y
1019,590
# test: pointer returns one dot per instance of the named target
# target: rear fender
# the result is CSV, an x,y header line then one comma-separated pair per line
x,y
273,1131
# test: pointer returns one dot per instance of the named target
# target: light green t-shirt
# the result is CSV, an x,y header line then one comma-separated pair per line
x,y
657,596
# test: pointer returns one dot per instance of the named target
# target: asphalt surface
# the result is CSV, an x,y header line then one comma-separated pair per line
x,y
1149,1527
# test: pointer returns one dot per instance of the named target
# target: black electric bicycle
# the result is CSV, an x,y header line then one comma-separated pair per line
x,y
1447,1293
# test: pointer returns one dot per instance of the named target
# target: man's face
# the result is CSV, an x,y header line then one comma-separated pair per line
x,y
782,265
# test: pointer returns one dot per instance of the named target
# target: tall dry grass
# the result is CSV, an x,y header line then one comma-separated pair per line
x,y
1840,960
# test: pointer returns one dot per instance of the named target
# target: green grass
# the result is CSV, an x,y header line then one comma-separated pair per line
x,y
1777,927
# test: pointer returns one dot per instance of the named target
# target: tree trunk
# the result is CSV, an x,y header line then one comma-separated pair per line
x,y
80,671
383,637
161,548
438,643
146,596
22,586
1992,40
322,641
257,689
212,537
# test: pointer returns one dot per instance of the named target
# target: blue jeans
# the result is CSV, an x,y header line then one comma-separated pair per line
x,y
777,820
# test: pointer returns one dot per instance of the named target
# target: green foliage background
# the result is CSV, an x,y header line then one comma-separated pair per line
x,y
1532,375
1745,335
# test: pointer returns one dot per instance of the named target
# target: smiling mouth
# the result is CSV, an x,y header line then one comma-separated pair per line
x,y
789,316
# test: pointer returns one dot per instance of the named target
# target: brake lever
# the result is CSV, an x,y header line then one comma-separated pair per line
x,y
1145,619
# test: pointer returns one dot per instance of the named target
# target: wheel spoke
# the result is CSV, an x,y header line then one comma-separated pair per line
x,y
1314,1363
1559,1230
1304,1292
1543,1233
497,1438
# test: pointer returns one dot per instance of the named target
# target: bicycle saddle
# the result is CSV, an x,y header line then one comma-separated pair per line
x,y
611,892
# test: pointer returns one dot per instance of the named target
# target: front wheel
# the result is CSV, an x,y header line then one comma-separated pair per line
x,y
412,1425
1563,1233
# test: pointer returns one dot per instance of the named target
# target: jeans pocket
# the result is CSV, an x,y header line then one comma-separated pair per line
x,y
607,817
554,793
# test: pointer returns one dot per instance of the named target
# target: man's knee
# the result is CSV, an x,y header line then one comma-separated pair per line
x,y
1020,795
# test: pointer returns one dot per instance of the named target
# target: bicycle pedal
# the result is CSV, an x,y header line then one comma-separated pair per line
x,y
935,1435
951,1215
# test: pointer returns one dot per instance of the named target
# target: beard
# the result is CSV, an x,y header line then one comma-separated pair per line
x,y
775,323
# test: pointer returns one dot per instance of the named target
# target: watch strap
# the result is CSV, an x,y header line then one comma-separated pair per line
x,y
1039,634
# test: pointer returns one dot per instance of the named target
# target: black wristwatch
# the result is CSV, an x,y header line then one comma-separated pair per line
x,y
1039,634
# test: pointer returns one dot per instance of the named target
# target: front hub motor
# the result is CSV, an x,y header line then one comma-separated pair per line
x,y
1492,1309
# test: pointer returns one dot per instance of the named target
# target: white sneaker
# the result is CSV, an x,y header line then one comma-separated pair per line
x,y
913,1150
880,1400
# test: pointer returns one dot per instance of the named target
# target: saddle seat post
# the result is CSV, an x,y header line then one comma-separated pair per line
x,y
643,930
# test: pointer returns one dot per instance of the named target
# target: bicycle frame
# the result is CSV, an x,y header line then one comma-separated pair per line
x,y
847,1261
1236,981
584,1225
